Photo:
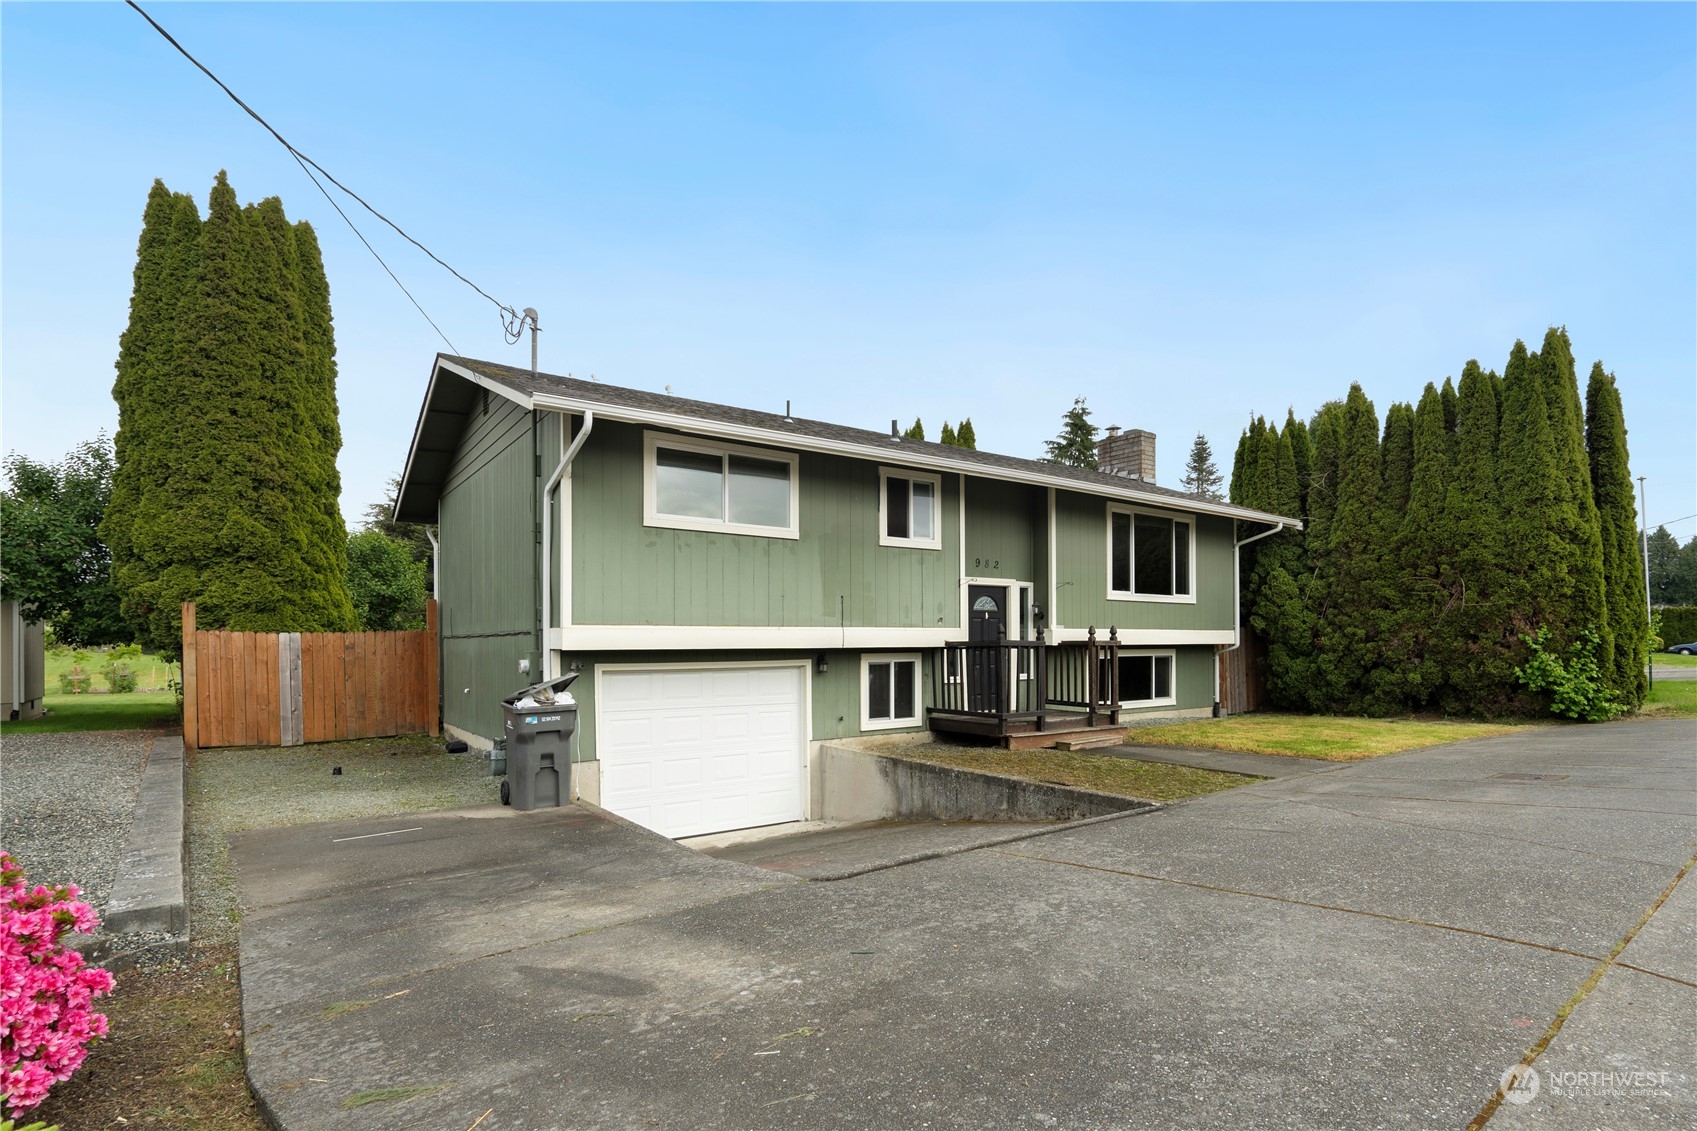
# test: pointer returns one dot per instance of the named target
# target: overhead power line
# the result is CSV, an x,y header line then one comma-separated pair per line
x,y
512,321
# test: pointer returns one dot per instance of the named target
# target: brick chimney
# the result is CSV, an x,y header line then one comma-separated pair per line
x,y
1130,453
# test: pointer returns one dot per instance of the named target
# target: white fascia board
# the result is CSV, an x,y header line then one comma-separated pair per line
x,y
779,439
674,638
1144,637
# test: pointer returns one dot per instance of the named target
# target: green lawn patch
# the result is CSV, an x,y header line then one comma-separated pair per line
x,y
1669,660
1124,777
1331,737
140,710
152,673
1671,699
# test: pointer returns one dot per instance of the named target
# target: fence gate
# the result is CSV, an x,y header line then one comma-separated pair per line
x,y
289,688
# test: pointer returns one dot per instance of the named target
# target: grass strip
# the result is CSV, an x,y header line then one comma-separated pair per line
x,y
1333,738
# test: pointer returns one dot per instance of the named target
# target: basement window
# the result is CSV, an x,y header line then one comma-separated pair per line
x,y
889,692
908,513
1146,679
694,485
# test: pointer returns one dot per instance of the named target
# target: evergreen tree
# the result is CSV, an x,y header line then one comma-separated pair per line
x,y
1398,463
916,431
1352,628
1473,646
1201,477
1076,444
1302,456
1424,549
1617,514
965,437
1673,570
948,436
226,487
1452,406
380,517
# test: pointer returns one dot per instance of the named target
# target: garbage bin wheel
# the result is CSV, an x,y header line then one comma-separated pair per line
x,y
506,792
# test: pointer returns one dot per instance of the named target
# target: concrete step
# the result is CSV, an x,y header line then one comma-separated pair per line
x,y
1051,739
1093,741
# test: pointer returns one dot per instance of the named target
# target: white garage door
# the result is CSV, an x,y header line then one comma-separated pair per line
x,y
687,751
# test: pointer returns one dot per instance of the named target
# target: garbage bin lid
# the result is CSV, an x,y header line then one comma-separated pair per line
x,y
544,694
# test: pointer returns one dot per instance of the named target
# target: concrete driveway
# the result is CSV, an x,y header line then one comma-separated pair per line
x,y
1370,947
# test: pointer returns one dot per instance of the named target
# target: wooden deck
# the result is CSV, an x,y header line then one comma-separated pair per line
x,y
1028,696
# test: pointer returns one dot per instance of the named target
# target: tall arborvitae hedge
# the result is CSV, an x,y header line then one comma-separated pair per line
x,y
1617,516
226,489
1487,512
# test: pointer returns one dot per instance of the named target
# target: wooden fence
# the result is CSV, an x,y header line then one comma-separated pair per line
x,y
289,688
1243,676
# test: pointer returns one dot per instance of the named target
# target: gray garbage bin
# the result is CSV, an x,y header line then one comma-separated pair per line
x,y
539,724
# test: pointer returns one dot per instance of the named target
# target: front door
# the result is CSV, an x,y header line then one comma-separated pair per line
x,y
986,624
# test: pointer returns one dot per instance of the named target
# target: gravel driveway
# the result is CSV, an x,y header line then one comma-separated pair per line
x,y
66,802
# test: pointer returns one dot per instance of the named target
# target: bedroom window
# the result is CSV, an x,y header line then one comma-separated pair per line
x,y
692,485
908,509
1150,556
889,692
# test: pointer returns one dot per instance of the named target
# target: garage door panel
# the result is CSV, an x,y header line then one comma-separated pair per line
x,y
717,748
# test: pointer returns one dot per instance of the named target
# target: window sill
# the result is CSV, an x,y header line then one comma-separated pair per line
x,y
911,543
891,724
676,522
1153,598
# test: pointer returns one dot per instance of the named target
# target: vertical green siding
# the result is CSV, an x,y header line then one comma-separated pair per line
x,y
1006,529
836,573
1081,553
488,567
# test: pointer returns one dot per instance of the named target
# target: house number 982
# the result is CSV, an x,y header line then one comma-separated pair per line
x,y
987,563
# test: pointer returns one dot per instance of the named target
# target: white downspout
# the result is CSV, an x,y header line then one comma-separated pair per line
x,y
548,537
1237,605
435,566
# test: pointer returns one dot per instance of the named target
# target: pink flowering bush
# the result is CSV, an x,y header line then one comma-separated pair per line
x,y
46,1023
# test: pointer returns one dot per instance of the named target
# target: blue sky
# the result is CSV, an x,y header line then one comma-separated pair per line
x,y
1186,214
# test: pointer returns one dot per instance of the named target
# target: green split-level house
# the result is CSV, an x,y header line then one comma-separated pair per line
x,y
735,587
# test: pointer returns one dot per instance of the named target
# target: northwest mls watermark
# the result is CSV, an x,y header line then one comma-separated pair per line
x,y
1521,1084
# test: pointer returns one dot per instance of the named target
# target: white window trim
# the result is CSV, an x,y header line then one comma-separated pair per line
x,y
867,722
651,516
1172,659
1108,538
935,542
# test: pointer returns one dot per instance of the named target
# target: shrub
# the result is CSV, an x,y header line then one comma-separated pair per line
x,y
78,679
1679,624
46,1023
1574,681
119,676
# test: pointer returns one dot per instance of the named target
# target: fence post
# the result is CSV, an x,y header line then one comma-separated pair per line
x,y
433,668
1092,674
191,682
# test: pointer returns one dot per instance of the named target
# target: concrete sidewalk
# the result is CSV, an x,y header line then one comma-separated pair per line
x,y
1370,947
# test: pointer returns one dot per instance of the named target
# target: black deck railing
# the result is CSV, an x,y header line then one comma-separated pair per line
x,y
1086,676
1000,680
993,687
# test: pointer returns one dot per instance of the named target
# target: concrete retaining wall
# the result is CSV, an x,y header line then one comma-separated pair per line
x,y
859,785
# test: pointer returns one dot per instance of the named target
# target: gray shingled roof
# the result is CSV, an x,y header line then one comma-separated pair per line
x,y
877,444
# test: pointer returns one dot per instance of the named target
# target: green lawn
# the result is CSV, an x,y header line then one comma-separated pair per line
x,y
140,710
151,671
1669,660
1332,737
1126,777
1671,699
